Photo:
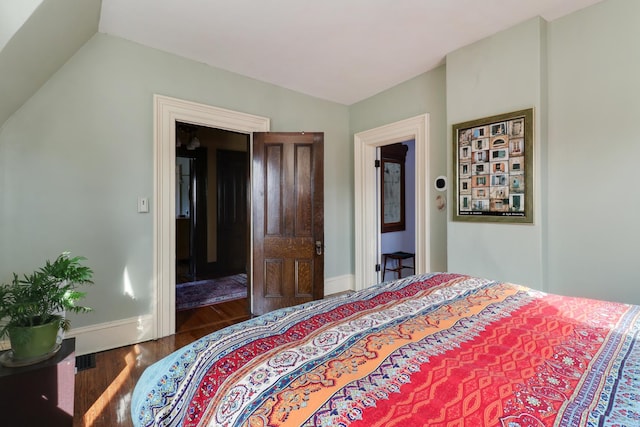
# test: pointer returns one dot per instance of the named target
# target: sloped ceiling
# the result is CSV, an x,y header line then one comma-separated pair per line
x,y
339,50
48,38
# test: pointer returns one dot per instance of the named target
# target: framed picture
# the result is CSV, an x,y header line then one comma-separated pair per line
x,y
493,168
392,181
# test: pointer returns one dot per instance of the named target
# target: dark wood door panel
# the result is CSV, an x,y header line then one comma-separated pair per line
x,y
304,190
232,173
280,272
274,186
304,278
288,196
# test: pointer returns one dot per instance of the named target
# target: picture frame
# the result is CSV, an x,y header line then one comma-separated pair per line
x,y
493,168
392,181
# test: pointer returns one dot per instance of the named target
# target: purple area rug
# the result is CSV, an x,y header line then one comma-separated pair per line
x,y
207,292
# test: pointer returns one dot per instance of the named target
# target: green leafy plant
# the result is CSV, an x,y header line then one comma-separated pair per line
x,y
40,297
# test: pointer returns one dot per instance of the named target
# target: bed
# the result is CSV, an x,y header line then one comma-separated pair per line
x,y
438,349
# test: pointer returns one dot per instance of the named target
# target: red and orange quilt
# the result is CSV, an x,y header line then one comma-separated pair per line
x,y
437,350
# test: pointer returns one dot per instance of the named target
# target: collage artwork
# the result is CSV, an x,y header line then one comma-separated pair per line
x,y
491,169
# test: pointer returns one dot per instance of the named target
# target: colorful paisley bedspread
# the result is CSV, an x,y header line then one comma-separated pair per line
x,y
437,350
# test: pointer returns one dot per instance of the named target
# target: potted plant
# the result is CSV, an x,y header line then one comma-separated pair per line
x,y
33,306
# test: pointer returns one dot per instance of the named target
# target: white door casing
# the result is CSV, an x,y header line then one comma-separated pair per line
x,y
166,112
366,201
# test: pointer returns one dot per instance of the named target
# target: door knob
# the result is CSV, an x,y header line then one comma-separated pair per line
x,y
318,247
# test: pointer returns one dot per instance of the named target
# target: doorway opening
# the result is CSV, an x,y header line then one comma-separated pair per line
x,y
397,218
367,235
212,225
167,112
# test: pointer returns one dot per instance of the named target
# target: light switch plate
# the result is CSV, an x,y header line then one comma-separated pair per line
x,y
143,204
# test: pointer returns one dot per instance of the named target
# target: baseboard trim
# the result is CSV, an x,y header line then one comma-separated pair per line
x,y
109,335
339,284
119,333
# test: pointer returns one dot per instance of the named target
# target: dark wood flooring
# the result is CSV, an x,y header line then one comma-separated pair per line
x,y
103,393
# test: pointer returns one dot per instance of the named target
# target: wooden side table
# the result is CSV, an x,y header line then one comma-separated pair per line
x,y
40,394
398,257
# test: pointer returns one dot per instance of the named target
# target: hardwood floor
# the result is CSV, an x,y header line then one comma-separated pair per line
x,y
103,393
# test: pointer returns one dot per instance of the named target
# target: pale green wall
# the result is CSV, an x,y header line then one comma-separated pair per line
x,y
422,94
497,75
77,155
581,74
594,152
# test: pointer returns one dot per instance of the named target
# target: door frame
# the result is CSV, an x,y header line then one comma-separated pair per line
x,y
166,112
367,229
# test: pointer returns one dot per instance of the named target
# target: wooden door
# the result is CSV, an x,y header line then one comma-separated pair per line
x,y
288,220
232,211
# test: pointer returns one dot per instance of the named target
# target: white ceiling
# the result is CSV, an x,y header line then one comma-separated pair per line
x,y
339,50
